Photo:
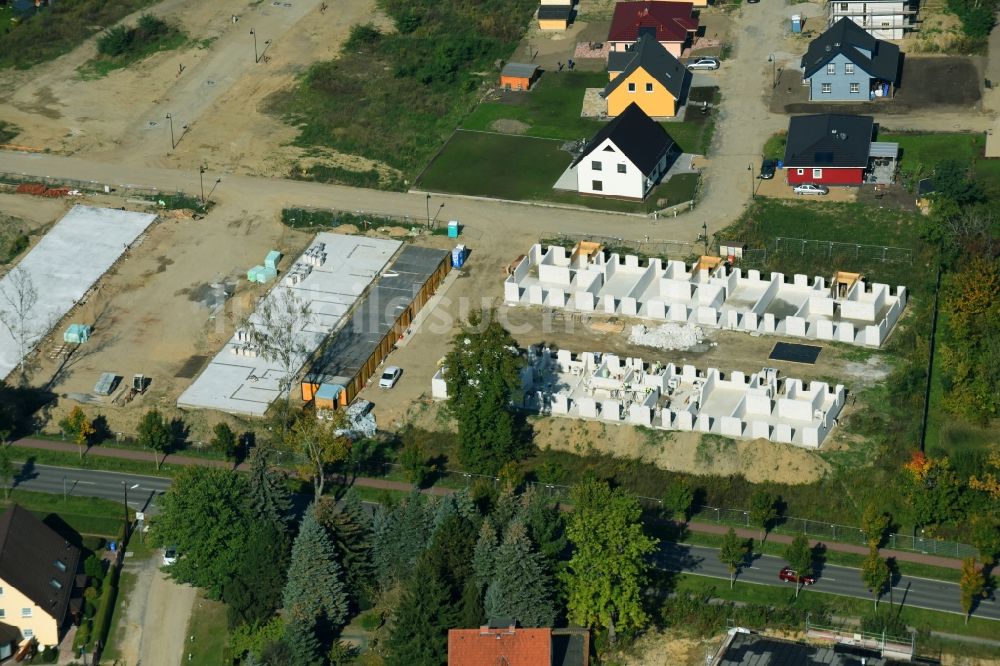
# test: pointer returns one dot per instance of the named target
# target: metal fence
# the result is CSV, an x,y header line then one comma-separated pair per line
x,y
859,254
841,533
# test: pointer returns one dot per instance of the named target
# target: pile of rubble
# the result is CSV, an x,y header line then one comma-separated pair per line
x,y
360,421
666,336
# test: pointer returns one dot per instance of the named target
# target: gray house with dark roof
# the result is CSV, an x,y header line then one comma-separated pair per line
x,y
37,577
846,64
626,158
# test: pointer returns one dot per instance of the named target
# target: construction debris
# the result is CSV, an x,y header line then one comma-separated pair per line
x,y
666,336
360,421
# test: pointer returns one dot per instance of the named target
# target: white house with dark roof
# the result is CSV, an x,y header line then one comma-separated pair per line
x,y
626,158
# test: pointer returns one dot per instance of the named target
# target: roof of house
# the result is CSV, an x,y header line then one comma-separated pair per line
x,y
519,69
36,561
829,140
639,137
747,649
649,55
845,37
507,645
554,12
671,21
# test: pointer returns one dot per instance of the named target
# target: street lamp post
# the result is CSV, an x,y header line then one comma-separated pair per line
x,y
127,488
704,231
201,179
774,70
753,188
171,119
253,34
428,202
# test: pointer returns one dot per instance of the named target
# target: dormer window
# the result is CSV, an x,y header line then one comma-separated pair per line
x,y
55,584
59,564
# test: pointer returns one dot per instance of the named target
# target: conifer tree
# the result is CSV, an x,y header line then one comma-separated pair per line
x,y
315,601
350,531
484,554
521,587
269,496
419,636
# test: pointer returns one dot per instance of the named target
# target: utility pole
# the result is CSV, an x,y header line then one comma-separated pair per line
x,y
201,179
171,119
253,34
428,201
753,183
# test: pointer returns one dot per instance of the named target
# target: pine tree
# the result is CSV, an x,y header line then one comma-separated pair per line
x,y
255,591
419,636
545,526
521,587
484,554
399,535
350,531
315,601
269,496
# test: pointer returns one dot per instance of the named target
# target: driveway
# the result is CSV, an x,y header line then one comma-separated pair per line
x,y
156,616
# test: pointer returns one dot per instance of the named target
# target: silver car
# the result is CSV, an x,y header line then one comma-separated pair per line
x,y
703,64
811,188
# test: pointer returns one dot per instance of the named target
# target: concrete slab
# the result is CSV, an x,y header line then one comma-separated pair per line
x,y
330,276
62,267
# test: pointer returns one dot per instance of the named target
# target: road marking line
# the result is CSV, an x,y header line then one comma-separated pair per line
x,y
87,483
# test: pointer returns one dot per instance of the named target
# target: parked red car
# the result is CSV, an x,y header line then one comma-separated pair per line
x,y
790,576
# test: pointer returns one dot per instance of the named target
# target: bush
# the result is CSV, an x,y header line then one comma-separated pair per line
x,y
362,38
94,567
49,655
16,246
102,619
115,42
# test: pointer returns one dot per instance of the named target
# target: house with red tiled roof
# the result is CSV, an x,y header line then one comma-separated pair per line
x,y
503,642
670,22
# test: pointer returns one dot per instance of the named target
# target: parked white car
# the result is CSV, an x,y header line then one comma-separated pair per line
x,y
703,64
811,188
389,377
169,556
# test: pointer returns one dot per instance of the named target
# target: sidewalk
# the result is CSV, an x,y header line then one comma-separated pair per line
x,y
384,484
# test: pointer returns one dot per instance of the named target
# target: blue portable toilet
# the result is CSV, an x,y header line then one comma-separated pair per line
x,y
453,229
780,164
796,23
458,256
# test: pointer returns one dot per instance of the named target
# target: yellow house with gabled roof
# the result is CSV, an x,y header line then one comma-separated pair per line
x,y
647,75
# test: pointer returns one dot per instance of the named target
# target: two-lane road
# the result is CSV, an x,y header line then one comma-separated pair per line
x,y
78,482
832,579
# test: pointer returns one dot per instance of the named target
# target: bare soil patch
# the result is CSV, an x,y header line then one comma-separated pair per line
x,y
508,126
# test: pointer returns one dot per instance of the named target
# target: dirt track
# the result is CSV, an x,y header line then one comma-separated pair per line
x,y
156,617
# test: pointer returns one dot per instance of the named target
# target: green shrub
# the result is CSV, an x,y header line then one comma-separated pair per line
x,y
16,246
82,639
106,607
115,42
50,655
371,621
362,38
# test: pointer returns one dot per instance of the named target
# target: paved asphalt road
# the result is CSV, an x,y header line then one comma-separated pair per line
x,y
919,592
91,483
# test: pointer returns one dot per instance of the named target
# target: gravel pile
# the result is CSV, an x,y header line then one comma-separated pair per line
x,y
666,336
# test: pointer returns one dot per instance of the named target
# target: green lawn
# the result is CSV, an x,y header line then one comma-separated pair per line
x,y
774,147
842,606
532,166
551,109
126,583
210,643
66,459
921,152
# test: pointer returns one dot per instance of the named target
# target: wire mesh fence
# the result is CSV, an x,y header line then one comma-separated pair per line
x,y
858,254
645,247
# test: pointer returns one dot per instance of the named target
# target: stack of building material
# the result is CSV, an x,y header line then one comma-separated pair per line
x,y
316,255
299,272
77,334
106,384
244,350
261,274
272,259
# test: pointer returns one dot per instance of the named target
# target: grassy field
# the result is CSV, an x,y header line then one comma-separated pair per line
x,y
774,147
58,29
921,152
66,459
86,515
533,166
209,644
843,606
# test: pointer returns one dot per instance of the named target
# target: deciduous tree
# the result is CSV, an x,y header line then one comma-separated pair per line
x,y
483,373
78,426
677,500
733,553
984,532
875,574
155,435
763,511
319,446
19,295
205,513
224,440
609,565
6,469
875,524
799,556
972,586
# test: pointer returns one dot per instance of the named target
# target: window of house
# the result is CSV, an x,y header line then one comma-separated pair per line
x,y
843,6
849,68
826,88
59,564
649,87
25,612
621,168
28,633
631,87
885,24
595,165
855,87
56,584
597,186
1,591
799,172
817,173
831,69
3,613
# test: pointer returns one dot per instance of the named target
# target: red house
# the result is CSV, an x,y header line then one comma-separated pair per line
x,y
503,642
828,149
670,22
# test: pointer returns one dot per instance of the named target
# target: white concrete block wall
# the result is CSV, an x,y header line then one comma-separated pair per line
x,y
640,415
611,410
684,420
535,295
584,301
824,329
845,332
587,408
511,292
703,423
731,426
707,316
630,307
759,429
610,304
677,312
557,275
557,298
439,388
656,309
795,326
783,433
